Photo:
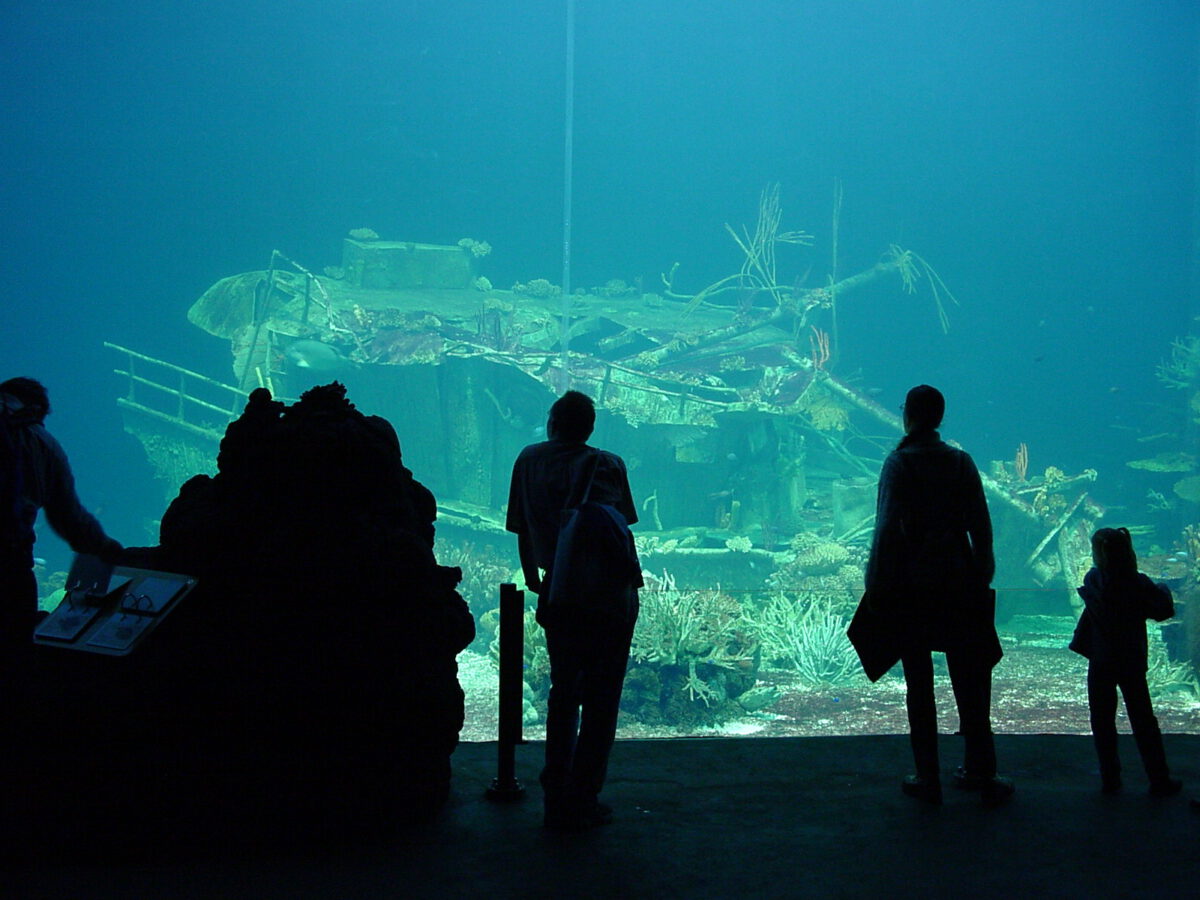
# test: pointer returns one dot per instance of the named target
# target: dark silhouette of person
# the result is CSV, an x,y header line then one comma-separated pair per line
x,y
588,651
1111,634
34,474
928,576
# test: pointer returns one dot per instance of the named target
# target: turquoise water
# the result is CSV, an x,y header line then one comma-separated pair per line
x,y
1042,162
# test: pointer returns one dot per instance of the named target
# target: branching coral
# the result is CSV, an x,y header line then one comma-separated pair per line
x,y
803,632
483,567
1182,370
911,267
758,274
694,631
536,661
680,625
1165,675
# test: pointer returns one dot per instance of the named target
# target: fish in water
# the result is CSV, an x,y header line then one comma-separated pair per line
x,y
318,357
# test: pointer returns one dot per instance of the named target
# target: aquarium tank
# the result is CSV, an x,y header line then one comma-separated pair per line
x,y
745,229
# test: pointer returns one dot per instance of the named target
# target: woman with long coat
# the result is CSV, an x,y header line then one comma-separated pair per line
x,y
928,581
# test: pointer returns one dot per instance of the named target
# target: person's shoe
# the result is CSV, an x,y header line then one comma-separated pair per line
x,y
573,818
1165,787
997,791
965,782
927,790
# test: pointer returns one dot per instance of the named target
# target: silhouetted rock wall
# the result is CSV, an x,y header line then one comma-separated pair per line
x,y
309,681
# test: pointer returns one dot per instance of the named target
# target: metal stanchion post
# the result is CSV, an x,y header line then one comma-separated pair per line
x,y
505,786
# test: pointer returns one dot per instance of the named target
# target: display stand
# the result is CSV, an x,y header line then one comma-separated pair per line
x,y
109,609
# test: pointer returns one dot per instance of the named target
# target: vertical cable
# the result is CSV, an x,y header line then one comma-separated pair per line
x,y
568,163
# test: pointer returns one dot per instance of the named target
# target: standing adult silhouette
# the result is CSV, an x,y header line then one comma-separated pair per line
x,y
34,475
928,580
586,638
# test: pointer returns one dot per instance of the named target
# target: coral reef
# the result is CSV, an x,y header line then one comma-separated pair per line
x,y
823,409
538,288
817,556
1166,462
1188,488
483,568
536,664
1165,675
693,653
803,632
1182,370
477,249
615,287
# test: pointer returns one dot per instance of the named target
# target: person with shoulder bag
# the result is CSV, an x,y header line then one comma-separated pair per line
x,y
571,507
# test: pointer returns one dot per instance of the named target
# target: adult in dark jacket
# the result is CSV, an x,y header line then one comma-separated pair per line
x,y
928,578
34,474
1111,634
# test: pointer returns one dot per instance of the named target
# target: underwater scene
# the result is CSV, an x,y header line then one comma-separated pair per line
x,y
744,229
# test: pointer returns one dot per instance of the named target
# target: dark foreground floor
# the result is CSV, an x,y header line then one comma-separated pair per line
x,y
727,818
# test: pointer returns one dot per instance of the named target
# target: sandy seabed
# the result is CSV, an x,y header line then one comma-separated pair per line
x,y
1035,690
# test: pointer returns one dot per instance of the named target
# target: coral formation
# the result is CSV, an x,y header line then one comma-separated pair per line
x,y
615,287
1166,462
693,653
538,288
816,556
536,664
1182,370
477,249
802,631
1188,488
823,409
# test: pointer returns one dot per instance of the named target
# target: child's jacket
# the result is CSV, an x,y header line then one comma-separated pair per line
x,y
1112,629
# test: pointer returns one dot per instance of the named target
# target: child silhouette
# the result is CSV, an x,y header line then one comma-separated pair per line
x,y
1111,634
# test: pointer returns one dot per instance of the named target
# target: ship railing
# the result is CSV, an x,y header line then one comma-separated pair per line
x,y
171,393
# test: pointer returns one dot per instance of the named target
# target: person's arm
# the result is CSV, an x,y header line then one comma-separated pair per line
x,y
1159,603
66,515
881,564
979,524
533,575
516,522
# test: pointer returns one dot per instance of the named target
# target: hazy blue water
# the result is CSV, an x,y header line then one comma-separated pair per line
x,y
1041,156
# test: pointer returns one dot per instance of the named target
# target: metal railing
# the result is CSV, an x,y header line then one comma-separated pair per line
x,y
187,399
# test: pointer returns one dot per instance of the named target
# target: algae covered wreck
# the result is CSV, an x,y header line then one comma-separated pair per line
x,y
739,438
754,464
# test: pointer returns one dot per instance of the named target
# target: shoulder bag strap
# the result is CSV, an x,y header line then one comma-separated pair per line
x,y
593,465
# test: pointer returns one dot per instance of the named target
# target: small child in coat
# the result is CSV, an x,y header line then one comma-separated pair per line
x,y
1118,599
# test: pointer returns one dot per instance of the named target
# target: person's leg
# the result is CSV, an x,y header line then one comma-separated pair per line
x,y
972,683
603,679
922,714
1147,733
1102,713
562,709
18,610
